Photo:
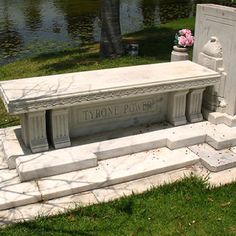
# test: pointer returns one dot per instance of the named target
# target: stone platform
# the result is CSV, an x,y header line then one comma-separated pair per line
x,y
105,194
55,109
141,153
84,155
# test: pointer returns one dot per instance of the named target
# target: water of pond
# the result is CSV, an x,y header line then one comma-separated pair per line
x,y
30,27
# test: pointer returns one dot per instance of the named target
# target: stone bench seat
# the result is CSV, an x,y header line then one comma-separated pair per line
x,y
54,109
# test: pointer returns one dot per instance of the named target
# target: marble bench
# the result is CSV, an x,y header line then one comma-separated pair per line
x,y
54,109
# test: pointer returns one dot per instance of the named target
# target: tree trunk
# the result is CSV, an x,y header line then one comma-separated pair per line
x,y
111,39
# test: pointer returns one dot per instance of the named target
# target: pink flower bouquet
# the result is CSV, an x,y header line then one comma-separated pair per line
x,y
184,38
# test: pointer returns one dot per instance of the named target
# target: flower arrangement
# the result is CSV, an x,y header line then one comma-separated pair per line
x,y
184,38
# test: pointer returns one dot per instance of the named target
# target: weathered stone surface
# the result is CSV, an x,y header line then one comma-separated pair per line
x,y
63,160
220,118
58,128
177,108
171,176
54,162
219,22
2,134
129,145
173,137
212,58
47,208
3,163
33,130
54,109
13,146
120,190
222,177
179,54
58,91
18,195
119,113
33,166
61,205
214,160
117,170
186,135
221,137
8,177
194,105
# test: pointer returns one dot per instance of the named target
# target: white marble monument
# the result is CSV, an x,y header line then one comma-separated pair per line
x,y
54,109
215,48
57,110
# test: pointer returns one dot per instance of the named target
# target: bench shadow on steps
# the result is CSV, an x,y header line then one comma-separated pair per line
x,y
119,133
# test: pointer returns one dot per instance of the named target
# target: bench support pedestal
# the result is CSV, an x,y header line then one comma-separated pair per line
x,y
59,128
33,128
194,105
177,107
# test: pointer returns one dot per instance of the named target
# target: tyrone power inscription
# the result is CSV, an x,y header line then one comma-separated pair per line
x,y
118,110
109,111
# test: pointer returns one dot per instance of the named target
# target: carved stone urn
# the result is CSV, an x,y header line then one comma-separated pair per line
x,y
179,54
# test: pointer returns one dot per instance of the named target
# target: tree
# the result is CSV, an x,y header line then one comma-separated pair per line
x,y
111,38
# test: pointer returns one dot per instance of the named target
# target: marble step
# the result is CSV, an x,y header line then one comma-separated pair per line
x,y
108,172
214,160
81,157
221,136
171,137
19,195
13,146
218,136
117,170
3,163
54,162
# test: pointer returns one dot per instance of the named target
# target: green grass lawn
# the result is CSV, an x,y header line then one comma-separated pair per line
x,y
188,207
155,46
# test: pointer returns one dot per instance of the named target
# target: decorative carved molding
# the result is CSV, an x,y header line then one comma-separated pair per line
x,y
213,48
54,103
212,58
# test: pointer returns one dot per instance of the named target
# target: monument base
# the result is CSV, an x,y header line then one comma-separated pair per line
x,y
219,118
149,151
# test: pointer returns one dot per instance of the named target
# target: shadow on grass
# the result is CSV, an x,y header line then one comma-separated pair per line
x,y
69,60
60,54
72,62
154,43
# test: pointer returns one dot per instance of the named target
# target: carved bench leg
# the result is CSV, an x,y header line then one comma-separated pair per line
x,y
177,108
194,105
59,129
33,129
